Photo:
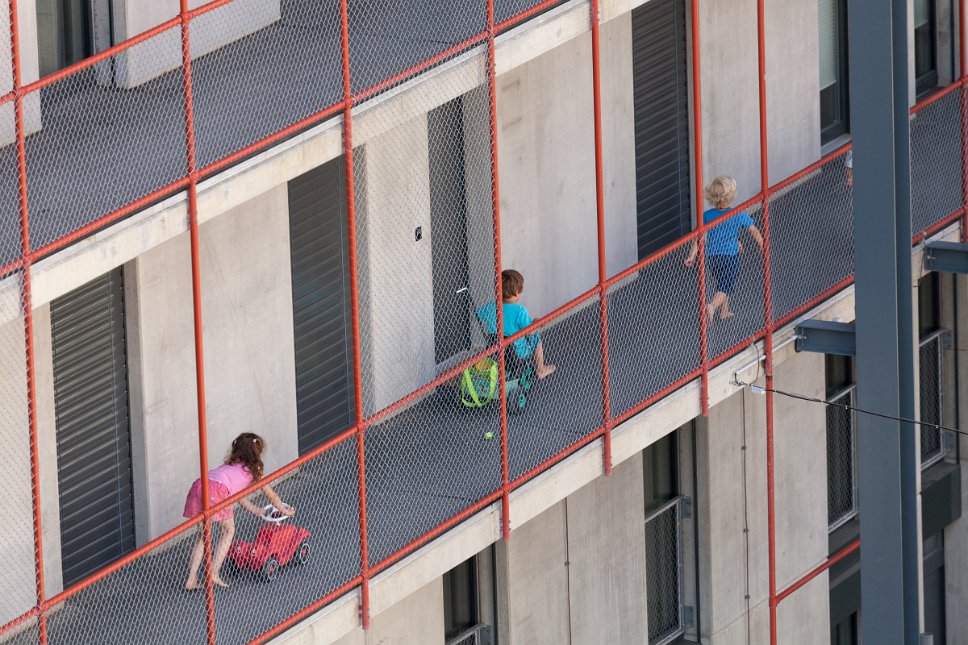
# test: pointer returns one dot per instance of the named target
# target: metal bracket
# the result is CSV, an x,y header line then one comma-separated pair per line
x,y
826,337
686,508
946,257
689,616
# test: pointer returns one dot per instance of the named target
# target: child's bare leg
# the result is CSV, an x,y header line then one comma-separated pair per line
x,y
714,304
196,561
226,533
539,364
724,311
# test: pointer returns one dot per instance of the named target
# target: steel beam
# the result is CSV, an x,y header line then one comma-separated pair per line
x,y
826,337
887,455
946,257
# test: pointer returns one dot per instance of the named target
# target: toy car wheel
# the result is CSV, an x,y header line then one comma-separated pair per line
x,y
270,569
303,552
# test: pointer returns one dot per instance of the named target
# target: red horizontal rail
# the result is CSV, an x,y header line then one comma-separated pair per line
x,y
19,620
559,456
812,168
121,562
937,96
843,553
306,611
428,536
79,66
421,66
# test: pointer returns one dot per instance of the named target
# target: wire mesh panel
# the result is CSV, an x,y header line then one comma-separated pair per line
x,y
286,65
932,404
841,464
507,10
664,572
740,278
653,328
10,239
425,243
143,601
389,38
112,133
811,237
431,461
547,415
297,561
936,141
17,576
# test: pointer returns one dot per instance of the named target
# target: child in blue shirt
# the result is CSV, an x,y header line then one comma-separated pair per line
x,y
722,243
516,318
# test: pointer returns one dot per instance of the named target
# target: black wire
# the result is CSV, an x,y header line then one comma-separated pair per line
x,y
812,399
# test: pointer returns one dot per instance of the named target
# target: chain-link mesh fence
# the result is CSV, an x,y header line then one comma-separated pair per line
x,y
547,415
143,601
389,38
811,236
10,239
285,66
18,575
841,464
740,278
931,394
431,461
505,11
936,173
304,558
653,328
664,572
112,133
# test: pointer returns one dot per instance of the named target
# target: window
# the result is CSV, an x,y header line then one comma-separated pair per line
x,y
841,442
661,470
834,98
846,632
925,48
470,601
931,369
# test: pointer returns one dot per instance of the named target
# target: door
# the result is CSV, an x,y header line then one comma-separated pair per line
x,y
320,304
661,124
93,434
448,227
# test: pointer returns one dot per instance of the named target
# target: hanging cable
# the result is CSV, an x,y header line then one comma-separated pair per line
x,y
759,389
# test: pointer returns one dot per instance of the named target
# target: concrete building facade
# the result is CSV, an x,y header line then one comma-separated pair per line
x,y
667,543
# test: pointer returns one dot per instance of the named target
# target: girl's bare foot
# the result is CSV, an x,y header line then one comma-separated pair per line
x,y
546,371
220,583
726,315
192,585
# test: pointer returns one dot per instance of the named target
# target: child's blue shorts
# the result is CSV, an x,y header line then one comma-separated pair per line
x,y
725,268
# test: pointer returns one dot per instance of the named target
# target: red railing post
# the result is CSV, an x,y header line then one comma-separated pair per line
x,y
192,174
28,314
602,265
355,310
499,296
767,314
700,202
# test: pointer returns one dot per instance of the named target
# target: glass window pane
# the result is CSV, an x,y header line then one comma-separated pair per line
x,y
829,43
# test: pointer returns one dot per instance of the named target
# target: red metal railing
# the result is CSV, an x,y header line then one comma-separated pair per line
x,y
602,291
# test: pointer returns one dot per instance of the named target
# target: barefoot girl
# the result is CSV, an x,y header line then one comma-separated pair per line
x,y
241,467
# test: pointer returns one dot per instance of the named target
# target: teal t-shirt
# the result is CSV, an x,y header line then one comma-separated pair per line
x,y
516,318
723,238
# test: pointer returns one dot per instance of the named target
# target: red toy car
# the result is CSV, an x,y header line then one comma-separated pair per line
x,y
274,546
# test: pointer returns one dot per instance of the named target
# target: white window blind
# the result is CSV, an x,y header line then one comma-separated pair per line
x,y
829,43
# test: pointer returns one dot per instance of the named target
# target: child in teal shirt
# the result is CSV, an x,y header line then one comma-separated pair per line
x,y
516,318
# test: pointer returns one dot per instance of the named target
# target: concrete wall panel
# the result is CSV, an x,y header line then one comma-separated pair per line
x,y
417,619
606,548
538,601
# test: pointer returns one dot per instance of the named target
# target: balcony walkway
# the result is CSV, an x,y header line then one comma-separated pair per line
x,y
102,147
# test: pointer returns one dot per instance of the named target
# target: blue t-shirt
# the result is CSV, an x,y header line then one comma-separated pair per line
x,y
723,238
516,318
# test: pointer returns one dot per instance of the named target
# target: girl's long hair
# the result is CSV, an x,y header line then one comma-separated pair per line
x,y
247,449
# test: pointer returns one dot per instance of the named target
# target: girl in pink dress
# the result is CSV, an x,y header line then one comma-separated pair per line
x,y
241,468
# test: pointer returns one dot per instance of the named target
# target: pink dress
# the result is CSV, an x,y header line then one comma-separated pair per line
x,y
223,482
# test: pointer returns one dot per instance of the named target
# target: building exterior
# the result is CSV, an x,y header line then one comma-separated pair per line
x,y
278,216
